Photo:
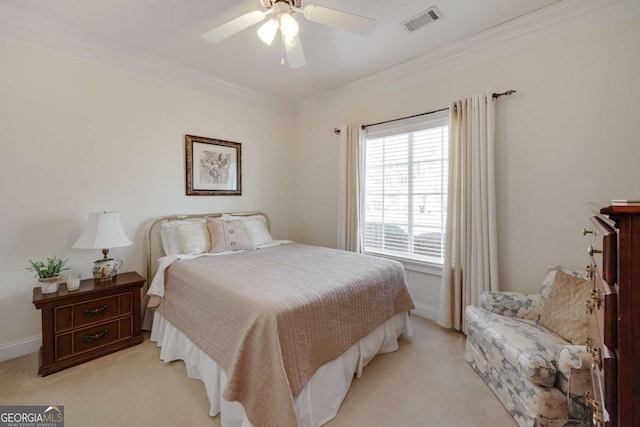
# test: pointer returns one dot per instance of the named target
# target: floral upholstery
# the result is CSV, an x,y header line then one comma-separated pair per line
x,y
574,377
528,347
513,304
539,377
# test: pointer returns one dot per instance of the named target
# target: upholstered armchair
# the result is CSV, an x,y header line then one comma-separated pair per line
x,y
540,377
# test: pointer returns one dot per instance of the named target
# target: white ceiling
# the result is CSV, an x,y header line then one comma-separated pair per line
x,y
171,29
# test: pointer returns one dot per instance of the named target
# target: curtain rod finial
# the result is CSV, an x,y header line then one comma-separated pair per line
x,y
507,93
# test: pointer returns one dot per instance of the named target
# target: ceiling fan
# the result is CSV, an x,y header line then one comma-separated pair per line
x,y
283,20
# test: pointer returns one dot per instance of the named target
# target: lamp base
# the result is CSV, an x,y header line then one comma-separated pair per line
x,y
106,269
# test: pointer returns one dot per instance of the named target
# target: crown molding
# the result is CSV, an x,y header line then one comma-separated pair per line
x,y
535,28
519,34
20,24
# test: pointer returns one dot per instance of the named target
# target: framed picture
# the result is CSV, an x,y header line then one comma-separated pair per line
x,y
214,167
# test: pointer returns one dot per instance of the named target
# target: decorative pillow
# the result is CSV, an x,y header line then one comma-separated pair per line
x,y
257,229
194,238
547,283
169,234
563,312
228,235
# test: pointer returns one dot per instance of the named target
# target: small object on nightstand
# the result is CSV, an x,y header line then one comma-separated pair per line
x,y
103,231
49,274
97,319
73,282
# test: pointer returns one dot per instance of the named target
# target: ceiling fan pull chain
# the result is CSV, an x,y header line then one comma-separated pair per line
x,y
282,50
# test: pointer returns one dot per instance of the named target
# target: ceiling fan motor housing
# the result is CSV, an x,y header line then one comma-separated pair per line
x,y
292,3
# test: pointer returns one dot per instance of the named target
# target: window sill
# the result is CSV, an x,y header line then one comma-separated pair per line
x,y
412,264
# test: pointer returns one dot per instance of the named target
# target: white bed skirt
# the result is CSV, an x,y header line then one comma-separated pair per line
x,y
321,397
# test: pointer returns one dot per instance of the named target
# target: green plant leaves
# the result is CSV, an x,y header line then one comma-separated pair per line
x,y
53,267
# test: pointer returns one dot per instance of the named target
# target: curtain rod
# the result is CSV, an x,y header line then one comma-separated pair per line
x,y
507,93
495,96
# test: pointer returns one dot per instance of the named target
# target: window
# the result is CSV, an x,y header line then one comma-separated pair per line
x,y
405,188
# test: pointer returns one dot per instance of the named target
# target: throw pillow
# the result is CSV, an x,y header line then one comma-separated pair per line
x,y
228,235
194,238
563,312
258,232
170,237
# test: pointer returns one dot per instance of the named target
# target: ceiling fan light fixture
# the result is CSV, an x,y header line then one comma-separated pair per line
x,y
289,26
283,20
268,31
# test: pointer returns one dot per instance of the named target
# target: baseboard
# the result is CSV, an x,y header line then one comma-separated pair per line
x,y
426,311
19,348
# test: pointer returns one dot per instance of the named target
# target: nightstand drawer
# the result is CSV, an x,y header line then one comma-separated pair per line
x,y
93,311
81,340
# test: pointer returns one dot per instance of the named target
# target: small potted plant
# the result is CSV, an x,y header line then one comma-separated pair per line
x,y
48,273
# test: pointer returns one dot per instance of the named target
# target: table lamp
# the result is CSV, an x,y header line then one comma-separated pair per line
x,y
103,231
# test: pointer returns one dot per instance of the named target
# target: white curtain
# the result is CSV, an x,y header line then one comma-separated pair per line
x,y
350,187
471,256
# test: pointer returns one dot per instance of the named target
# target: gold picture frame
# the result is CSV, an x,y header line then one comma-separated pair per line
x,y
213,167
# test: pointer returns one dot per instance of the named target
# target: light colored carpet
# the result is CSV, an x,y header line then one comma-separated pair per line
x,y
425,383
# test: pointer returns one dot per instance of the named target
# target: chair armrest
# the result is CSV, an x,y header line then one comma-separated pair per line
x,y
574,378
512,304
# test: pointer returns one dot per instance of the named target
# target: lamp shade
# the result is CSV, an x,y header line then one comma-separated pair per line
x,y
103,231
268,31
289,26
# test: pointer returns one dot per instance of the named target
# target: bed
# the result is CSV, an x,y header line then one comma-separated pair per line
x,y
274,329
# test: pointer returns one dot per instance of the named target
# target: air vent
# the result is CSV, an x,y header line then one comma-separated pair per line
x,y
423,18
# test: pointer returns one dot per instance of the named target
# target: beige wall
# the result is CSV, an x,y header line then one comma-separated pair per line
x,y
569,136
79,137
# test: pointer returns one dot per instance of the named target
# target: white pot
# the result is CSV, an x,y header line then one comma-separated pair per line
x,y
50,284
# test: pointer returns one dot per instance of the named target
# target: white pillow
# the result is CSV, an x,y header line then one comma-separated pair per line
x,y
257,229
169,235
194,238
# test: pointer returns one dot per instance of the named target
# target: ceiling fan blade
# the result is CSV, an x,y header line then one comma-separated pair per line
x,y
235,26
294,52
343,20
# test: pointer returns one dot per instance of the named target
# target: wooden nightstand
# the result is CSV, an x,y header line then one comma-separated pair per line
x,y
99,318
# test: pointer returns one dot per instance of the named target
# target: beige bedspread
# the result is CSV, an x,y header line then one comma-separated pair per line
x,y
271,317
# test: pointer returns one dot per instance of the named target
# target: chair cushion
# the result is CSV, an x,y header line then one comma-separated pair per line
x,y
526,345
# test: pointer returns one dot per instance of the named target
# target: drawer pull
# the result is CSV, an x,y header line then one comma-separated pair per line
x,y
595,357
596,360
597,415
93,311
591,251
589,272
596,298
98,336
595,301
588,306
